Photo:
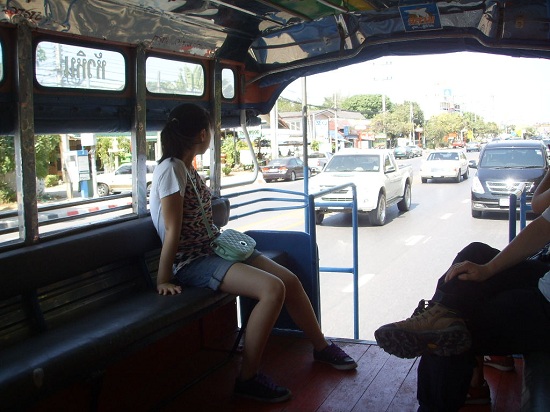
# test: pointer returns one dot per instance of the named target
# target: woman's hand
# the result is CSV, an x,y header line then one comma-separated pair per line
x,y
468,271
168,289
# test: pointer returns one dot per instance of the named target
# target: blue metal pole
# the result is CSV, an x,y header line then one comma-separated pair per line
x,y
512,217
354,222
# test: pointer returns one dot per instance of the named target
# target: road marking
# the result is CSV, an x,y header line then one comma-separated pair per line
x,y
413,240
363,279
446,216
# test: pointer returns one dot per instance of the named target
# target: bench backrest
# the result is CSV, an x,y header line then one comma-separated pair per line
x,y
48,284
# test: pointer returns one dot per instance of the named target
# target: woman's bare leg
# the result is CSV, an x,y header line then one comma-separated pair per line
x,y
269,290
296,301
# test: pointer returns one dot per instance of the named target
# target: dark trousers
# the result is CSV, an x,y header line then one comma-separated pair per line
x,y
507,314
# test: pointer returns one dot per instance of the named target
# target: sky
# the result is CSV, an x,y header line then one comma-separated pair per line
x,y
506,90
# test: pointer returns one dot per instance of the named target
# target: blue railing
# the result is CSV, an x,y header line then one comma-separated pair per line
x,y
523,209
301,200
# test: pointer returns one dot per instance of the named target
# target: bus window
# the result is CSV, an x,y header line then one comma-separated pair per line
x,y
1,62
228,84
174,77
78,67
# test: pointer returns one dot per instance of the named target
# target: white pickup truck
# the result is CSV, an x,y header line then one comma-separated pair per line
x,y
380,183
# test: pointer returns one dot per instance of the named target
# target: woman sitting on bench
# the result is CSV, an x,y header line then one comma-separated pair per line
x,y
187,256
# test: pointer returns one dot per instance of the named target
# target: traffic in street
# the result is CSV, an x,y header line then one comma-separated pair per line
x,y
400,262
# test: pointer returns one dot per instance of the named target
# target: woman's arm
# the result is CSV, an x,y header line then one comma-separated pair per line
x,y
541,197
172,207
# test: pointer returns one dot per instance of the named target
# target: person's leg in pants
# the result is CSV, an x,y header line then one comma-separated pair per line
x,y
506,314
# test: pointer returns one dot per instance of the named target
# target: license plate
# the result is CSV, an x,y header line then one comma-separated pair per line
x,y
504,202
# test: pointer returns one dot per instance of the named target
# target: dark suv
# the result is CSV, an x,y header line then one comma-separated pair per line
x,y
502,167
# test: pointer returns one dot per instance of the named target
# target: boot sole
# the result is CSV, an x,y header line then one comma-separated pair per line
x,y
411,344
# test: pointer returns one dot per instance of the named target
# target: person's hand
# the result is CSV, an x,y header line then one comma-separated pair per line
x,y
468,271
168,289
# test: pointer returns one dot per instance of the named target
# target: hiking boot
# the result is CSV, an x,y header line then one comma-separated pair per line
x,y
261,388
335,357
502,363
478,395
433,328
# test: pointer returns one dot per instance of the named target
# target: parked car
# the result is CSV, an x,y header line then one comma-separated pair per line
x,y
121,179
317,160
503,166
286,168
403,152
379,180
445,164
473,147
416,150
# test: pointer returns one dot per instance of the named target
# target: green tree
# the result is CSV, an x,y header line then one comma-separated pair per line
x,y
46,150
369,105
103,145
45,153
285,105
7,154
440,126
124,149
397,122
333,102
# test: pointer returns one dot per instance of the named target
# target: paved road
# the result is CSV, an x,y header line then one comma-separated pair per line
x,y
399,263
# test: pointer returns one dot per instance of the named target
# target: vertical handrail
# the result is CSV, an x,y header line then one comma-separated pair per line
x,y
512,211
523,209
354,270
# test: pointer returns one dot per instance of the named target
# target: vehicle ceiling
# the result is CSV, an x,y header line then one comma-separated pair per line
x,y
283,40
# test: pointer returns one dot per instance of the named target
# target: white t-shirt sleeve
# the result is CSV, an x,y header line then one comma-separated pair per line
x,y
172,180
170,177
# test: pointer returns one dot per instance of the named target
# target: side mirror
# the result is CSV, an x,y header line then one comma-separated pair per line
x,y
472,164
390,169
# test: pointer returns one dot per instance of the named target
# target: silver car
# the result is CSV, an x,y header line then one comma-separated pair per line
x,y
121,179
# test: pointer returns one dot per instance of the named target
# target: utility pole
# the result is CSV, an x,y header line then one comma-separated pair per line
x,y
336,142
382,74
412,137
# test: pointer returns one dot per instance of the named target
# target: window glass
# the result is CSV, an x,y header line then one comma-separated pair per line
x,y
8,193
1,62
174,77
228,84
70,66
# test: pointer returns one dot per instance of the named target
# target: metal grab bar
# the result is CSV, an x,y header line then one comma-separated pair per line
x,y
355,248
523,209
308,201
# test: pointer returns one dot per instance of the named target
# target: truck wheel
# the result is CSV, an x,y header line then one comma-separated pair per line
x,y
466,173
405,203
377,216
457,178
319,216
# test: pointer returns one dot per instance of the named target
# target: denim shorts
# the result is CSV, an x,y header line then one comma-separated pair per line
x,y
207,271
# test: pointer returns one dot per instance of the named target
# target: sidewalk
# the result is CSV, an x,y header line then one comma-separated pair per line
x,y
57,195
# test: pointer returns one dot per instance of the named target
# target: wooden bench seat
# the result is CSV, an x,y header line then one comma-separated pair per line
x,y
71,306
